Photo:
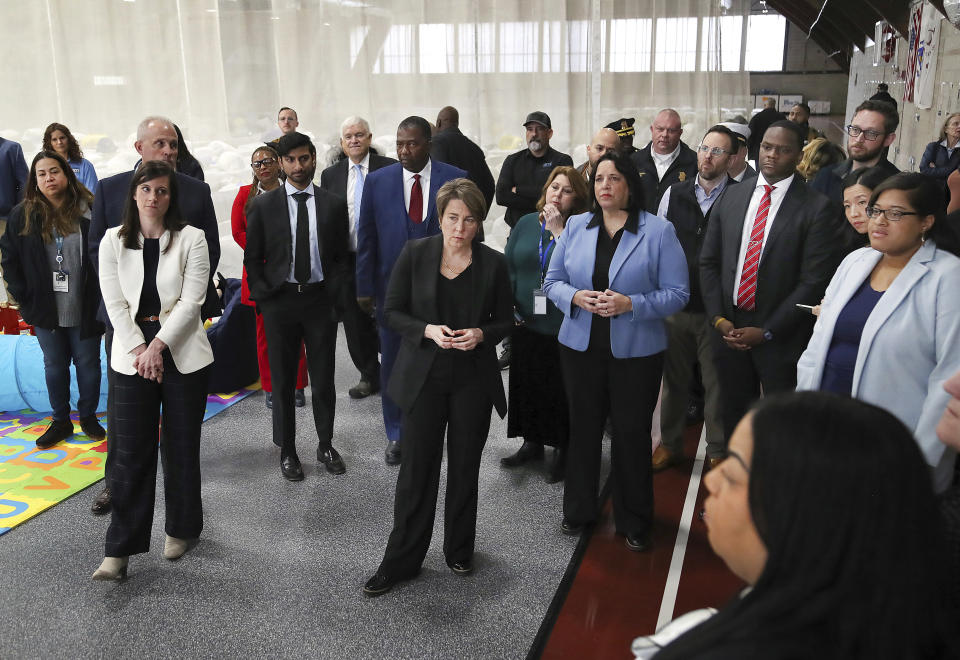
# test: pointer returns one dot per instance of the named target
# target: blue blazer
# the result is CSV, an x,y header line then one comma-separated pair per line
x,y
648,266
383,221
910,344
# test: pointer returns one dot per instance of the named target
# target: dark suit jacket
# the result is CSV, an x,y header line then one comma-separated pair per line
x,y
411,304
269,252
829,180
454,148
13,176
683,167
334,178
798,260
196,206
382,225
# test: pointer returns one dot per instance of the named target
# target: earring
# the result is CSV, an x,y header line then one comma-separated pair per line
x,y
923,237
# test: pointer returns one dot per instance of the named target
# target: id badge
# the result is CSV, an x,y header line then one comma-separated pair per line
x,y
61,282
539,302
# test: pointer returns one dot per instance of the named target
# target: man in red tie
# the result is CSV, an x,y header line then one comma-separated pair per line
x,y
768,247
398,204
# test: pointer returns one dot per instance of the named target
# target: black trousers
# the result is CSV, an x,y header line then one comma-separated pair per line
x,y
133,475
363,341
743,376
626,390
289,318
452,400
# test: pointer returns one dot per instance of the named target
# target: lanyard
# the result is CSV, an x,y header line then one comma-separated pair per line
x,y
59,239
544,254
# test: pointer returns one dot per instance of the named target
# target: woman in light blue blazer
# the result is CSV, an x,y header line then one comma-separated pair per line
x,y
889,326
616,273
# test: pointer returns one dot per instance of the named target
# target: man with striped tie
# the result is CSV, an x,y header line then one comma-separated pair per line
x,y
768,247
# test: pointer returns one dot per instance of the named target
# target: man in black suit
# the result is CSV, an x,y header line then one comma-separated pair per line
x,y
759,124
295,278
524,173
665,160
768,246
156,140
346,178
452,147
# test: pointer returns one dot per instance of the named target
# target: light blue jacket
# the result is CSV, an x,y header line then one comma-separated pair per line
x,y
910,344
648,266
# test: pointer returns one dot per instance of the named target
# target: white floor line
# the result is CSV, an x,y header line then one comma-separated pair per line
x,y
683,533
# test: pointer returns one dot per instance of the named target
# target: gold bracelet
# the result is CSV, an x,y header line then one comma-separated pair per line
x,y
716,324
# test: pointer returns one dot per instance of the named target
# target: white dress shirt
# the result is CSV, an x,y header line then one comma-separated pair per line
x,y
316,270
664,161
353,212
424,185
776,199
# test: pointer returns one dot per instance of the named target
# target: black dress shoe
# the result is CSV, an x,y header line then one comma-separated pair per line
x,y
571,528
102,504
378,585
462,567
392,454
299,399
638,542
331,459
57,431
268,399
558,467
528,451
291,469
363,389
91,428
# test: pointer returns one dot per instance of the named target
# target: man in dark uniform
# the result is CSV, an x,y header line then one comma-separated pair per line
x,y
625,131
665,160
452,147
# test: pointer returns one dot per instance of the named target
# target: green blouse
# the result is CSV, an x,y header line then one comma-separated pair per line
x,y
523,261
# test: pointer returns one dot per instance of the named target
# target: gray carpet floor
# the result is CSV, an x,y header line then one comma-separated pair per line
x,y
279,568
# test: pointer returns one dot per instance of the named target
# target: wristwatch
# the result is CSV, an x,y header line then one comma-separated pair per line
x,y
767,335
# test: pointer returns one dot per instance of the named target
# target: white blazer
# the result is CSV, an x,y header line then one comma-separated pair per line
x,y
910,344
182,274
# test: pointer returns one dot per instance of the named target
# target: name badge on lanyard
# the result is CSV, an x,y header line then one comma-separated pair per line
x,y
61,279
539,297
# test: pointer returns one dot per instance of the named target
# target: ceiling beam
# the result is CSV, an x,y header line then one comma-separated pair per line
x,y
893,12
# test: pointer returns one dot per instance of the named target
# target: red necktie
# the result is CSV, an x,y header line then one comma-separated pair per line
x,y
416,201
747,293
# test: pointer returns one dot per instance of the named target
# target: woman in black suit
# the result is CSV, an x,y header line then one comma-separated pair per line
x,y
449,298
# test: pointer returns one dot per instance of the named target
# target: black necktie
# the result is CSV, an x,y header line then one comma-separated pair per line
x,y
301,266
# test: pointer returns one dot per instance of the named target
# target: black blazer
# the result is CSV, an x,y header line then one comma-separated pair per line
x,y
196,206
411,303
29,276
334,178
798,260
452,147
269,252
682,168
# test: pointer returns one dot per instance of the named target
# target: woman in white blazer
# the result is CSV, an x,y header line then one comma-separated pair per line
x,y
889,326
153,277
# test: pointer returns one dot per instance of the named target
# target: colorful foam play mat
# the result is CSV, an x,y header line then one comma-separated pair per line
x,y
33,480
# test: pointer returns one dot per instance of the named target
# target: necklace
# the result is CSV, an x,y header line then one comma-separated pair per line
x,y
445,265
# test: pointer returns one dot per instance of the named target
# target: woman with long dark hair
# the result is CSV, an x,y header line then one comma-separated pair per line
x,y
154,270
616,273
265,163
537,404
47,271
58,137
824,508
186,163
857,188
889,325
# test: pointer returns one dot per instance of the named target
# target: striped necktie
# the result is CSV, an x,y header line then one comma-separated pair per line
x,y
747,293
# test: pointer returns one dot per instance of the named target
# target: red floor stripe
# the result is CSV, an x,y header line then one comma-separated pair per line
x,y
616,594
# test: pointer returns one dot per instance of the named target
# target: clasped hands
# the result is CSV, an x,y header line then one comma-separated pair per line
x,y
149,360
740,339
602,303
445,337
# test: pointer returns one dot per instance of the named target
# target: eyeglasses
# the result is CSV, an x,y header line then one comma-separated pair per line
x,y
856,131
893,215
266,162
713,151
779,149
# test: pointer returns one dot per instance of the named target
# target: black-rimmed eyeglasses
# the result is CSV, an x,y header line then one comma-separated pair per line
x,y
856,131
893,215
265,162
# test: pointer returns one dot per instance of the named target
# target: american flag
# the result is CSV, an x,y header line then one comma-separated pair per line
x,y
914,44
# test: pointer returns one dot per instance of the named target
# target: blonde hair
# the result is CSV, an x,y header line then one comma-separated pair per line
x,y
820,153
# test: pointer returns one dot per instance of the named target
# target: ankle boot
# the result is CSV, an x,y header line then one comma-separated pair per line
x,y
112,568
528,451
174,548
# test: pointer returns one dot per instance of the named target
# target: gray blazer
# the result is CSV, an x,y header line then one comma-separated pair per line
x,y
910,344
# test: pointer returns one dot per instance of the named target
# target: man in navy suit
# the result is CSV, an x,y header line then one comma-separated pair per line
x,y
346,178
398,204
13,176
156,140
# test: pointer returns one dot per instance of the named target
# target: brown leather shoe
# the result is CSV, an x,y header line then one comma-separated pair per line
x,y
664,458
713,462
